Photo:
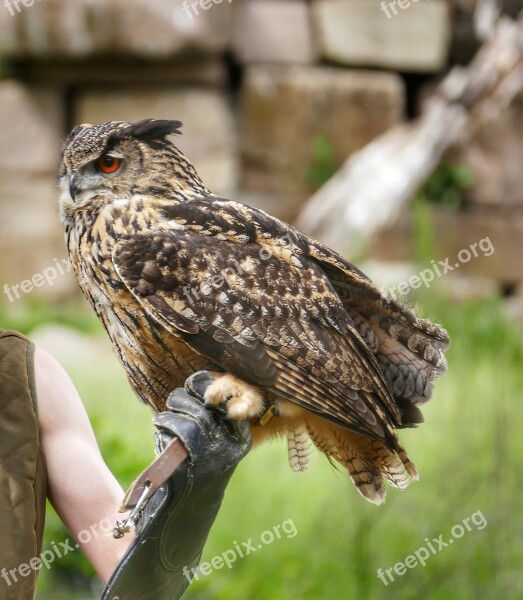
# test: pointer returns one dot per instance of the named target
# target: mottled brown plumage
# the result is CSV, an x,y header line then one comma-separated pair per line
x,y
182,279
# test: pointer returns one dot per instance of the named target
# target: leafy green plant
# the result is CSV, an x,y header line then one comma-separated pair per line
x,y
446,185
324,165
444,188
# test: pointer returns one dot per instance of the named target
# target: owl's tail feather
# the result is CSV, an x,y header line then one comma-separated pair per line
x,y
369,462
299,448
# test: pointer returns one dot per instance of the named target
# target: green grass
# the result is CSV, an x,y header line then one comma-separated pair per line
x,y
33,313
469,453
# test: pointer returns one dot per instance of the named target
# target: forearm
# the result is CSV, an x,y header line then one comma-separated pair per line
x,y
82,489
86,496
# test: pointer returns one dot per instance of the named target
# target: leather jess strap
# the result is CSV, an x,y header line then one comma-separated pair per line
x,y
157,473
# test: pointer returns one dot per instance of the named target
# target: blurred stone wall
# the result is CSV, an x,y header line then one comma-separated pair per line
x,y
256,83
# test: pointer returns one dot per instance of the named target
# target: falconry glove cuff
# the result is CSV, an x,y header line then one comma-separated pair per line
x,y
173,525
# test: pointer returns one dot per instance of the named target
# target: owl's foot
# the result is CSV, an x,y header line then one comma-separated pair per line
x,y
238,400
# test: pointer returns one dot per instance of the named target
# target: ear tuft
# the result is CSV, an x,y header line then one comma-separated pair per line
x,y
148,130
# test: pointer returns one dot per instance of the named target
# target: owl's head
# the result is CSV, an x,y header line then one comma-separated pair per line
x,y
118,160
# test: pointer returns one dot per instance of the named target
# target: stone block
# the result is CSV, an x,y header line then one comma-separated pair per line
x,y
162,28
8,36
33,257
286,110
31,128
405,35
152,29
274,31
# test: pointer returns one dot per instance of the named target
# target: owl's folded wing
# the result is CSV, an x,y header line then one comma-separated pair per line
x,y
270,321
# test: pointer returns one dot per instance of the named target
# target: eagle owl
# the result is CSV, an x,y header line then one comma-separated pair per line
x,y
298,340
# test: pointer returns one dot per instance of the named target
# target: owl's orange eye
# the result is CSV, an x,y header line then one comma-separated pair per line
x,y
108,164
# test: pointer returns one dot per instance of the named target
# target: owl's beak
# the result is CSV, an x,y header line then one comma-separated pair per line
x,y
74,188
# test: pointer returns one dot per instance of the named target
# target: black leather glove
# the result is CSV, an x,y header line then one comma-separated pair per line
x,y
175,522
